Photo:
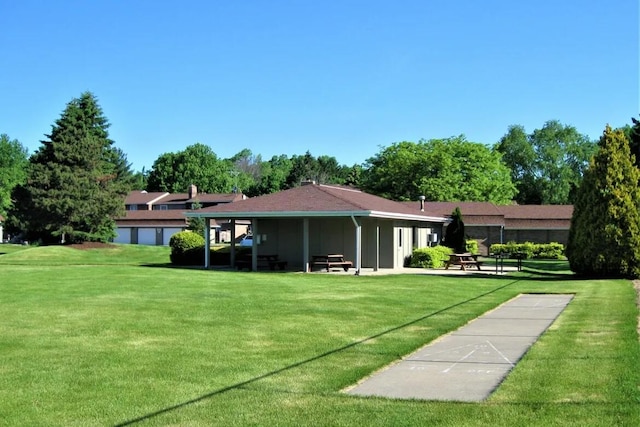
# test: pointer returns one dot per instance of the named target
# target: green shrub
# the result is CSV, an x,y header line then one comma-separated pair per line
x,y
472,246
187,248
433,257
552,250
529,250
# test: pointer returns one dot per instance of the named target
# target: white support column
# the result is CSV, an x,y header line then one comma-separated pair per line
x,y
207,243
358,245
305,245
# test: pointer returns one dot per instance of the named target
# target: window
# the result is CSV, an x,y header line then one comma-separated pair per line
x,y
400,237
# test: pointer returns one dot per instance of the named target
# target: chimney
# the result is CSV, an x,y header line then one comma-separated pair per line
x,y
193,191
421,198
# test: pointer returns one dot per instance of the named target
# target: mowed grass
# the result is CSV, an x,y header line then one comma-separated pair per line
x,y
103,339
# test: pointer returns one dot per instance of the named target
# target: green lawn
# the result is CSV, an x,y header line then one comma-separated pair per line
x,y
119,338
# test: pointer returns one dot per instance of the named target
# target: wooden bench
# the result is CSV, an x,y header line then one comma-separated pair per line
x,y
330,261
463,260
264,261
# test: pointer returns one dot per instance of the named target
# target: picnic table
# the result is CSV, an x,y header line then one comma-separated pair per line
x,y
270,261
330,261
463,260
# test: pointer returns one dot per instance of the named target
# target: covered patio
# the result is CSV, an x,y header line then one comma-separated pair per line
x,y
311,220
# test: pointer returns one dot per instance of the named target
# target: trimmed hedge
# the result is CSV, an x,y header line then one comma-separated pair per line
x,y
433,257
530,250
187,248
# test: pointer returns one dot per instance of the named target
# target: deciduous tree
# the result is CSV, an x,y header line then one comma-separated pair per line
x,y
546,165
451,169
13,164
197,164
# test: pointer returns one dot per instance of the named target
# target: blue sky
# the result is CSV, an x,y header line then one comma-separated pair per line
x,y
341,78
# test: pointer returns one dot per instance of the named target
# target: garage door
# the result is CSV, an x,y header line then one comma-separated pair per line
x,y
146,236
167,233
123,235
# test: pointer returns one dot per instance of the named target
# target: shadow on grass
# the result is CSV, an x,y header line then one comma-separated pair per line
x,y
310,359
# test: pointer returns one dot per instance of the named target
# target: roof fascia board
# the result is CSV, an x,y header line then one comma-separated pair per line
x,y
536,228
316,214
392,215
287,214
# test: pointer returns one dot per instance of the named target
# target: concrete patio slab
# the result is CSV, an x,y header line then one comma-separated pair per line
x,y
468,364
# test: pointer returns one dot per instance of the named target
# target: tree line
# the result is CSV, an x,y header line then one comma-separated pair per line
x,y
73,186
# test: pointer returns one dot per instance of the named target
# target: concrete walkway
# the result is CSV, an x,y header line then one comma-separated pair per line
x,y
468,364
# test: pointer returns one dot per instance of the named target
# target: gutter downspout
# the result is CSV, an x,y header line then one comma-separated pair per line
x,y
358,244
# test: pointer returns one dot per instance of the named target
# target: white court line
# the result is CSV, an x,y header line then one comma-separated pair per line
x,y
501,354
459,361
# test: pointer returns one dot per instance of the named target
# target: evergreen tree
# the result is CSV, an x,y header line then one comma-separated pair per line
x,y
604,238
74,188
634,140
196,224
454,237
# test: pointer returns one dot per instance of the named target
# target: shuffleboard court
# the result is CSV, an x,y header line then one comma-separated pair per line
x,y
468,364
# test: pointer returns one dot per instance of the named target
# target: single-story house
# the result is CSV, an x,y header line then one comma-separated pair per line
x,y
316,219
151,218
488,223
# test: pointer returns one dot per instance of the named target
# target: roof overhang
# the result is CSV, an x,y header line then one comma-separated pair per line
x,y
316,214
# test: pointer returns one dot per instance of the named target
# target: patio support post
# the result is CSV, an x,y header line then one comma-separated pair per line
x,y
305,245
254,244
358,244
207,243
232,252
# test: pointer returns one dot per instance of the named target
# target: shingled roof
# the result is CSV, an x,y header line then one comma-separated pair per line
x,y
510,216
154,218
143,197
537,216
317,200
473,213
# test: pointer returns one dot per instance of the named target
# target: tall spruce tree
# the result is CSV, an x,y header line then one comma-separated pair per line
x,y
454,237
74,188
604,238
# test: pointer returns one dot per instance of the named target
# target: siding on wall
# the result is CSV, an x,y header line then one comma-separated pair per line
x,y
284,237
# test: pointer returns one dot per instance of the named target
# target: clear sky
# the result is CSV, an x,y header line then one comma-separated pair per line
x,y
334,77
